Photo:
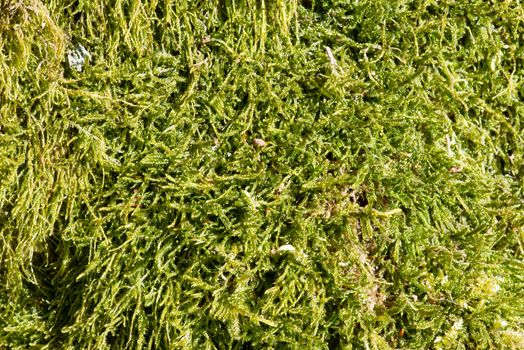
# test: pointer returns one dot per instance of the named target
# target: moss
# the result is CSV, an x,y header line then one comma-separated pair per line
x,y
261,174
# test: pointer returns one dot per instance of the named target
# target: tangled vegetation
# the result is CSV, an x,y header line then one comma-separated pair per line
x,y
261,174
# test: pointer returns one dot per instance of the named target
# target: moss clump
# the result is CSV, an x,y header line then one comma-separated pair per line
x,y
262,174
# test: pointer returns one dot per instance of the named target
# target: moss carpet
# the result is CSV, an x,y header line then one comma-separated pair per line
x,y
261,174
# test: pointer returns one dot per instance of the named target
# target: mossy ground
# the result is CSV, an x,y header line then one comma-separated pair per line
x,y
385,210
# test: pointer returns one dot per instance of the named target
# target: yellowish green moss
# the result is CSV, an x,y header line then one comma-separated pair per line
x,y
262,174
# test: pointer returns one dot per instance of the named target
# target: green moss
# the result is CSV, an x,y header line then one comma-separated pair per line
x,y
385,209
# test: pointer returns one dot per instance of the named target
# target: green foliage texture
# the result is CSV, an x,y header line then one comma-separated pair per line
x,y
262,174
